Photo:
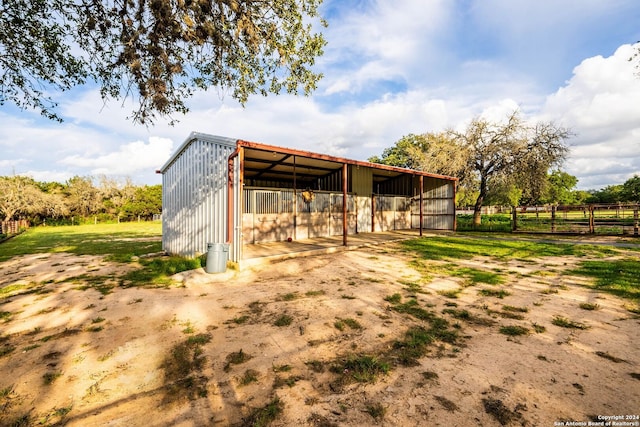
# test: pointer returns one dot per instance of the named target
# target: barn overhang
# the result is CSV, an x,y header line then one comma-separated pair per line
x,y
264,165
263,162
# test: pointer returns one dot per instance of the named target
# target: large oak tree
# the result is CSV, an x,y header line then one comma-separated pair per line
x,y
487,155
156,51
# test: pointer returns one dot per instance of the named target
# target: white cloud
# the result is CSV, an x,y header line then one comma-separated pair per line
x,y
600,103
391,68
129,159
50,176
384,41
11,163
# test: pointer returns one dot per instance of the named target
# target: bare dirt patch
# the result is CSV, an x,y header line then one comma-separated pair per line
x,y
216,349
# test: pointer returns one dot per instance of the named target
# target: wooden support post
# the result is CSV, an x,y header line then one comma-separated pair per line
x,y
592,220
344,204
514,218
553,219
421,202
455,216
230,178
373,213
295,202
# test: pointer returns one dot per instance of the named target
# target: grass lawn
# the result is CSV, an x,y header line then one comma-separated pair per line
x,y
620,277
118,241
315,332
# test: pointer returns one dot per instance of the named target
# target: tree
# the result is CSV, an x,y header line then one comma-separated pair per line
x,y
83,198
114,196
512,156
560,188
631,189
146,202
511,152
156,51
608,194
19,195
406,153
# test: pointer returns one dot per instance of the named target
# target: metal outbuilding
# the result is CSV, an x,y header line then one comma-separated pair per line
x,y
224,190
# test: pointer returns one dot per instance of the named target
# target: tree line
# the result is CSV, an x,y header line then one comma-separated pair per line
x,y
80,199
512,162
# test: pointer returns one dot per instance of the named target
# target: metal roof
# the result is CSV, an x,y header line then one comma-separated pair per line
x,y
270,162
197,136
262,161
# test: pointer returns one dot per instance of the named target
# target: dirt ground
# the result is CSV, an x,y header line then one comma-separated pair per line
x,y
210,351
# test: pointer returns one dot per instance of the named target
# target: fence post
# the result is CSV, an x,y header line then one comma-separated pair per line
x,y
553,219
635,221
592,221
514,218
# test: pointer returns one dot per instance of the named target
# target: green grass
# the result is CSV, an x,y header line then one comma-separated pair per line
x,y
118,241
618,277
376,410
183,367
362,369
563,322
239,320
315,293
264,416
288,296
156,272
236,358
494,222
515,309
283,320
352,323
249,376
6,349
479,276
443,248
49,377
393,299
539,329
500,293
514,330
589,306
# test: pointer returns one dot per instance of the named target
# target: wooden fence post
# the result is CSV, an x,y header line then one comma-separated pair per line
x,y
635,221
592,220
514,218
553,219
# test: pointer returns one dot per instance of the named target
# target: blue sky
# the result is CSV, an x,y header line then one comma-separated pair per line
x,y
390,69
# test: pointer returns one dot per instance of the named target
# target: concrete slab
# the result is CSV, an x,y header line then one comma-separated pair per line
x,y
261,253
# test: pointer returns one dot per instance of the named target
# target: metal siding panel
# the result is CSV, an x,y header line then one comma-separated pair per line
x,y
194,196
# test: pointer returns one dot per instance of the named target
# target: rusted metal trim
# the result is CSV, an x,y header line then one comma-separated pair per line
x,y
344,204
230,177
421,202
309,154
373,212
295,201
455,217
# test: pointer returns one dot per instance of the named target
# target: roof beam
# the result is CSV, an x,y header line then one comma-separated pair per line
x,y
273,165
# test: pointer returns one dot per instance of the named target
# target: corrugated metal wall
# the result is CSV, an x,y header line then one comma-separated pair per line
x,y
194,195
439,205
362,185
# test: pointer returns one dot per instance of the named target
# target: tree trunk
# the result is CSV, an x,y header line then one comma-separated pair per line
x,y
477,212
477,209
